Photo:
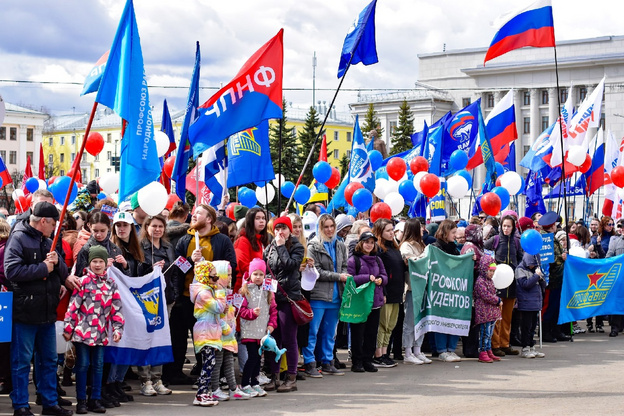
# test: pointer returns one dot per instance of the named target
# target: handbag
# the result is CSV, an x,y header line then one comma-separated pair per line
x,y
301,309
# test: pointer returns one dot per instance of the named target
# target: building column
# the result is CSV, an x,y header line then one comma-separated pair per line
x,y
553,114
38,137
21,147
536,122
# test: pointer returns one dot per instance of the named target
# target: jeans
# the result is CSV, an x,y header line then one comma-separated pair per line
x,y
117,372
408,326
445,342
89,356
326,320
485,336
26,340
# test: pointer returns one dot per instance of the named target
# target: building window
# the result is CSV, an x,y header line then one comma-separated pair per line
x,y
335,136
526,126
73,156
348,136
490,100
109,154
73,140
13,133
62,157
30,134
51,141
29,155
582,93
51,159
544,122
108,170
526,149
2,133
109,138
3,154
97,157
544,97
563,95
466,102
62,172
393,126
97,173
13,157
348,154
526,98
62,140
336,154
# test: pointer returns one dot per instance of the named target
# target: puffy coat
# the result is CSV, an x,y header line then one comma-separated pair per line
x,y
485,298
530,286
284,263
369,265
210,303
324,287
244,255
35,291
82,262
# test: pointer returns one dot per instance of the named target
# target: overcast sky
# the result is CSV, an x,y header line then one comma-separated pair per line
x,y
60,40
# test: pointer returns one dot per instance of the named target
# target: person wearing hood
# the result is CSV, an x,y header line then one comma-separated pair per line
x,y
343,226
474,245
487,308
530,289
330,260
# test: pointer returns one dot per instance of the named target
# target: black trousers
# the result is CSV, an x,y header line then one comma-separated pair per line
x,y
364,338
527,327
181,321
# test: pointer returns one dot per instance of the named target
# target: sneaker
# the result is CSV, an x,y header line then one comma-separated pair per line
x,y
454,357
422,357
160,388
148,390
369,367
263,379
412,359
330,370
388,361
378,363
220,395
239,394
578,329
250,391
312,371
599,329
205,400
259,390
538,354
446,357
526,353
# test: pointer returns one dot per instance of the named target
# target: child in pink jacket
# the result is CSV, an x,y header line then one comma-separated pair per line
x,y
487,307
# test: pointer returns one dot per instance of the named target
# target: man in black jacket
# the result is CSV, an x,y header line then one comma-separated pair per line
x,y
36,275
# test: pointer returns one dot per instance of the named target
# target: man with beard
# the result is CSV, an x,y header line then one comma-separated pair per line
x,y
212,246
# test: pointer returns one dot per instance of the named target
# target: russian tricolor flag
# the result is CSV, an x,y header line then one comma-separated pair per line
x,y
530,26
5,178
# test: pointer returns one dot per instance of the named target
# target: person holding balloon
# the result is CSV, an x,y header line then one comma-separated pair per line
x,y
487,307
530,289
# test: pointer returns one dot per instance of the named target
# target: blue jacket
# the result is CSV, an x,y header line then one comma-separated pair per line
x,y
530,288
369,265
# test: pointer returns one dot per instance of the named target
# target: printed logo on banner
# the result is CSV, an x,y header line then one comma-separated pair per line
x,y
600,284
6,316
149,298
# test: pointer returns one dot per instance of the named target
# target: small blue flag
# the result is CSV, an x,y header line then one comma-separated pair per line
x,y
92,82
360,41
486,151
250,156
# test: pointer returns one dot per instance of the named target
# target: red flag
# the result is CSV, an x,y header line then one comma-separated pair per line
x,y
27,175
323,152
41,163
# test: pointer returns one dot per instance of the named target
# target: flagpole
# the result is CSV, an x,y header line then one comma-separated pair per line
x,y
307,162
591,178
565,202
74,173
279,175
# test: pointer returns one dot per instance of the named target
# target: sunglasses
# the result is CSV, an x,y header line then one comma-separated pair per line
x,y
610,224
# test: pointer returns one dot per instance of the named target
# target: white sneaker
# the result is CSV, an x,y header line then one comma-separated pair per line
x,y
412,359
422,357
446,357
455,357
259,390
526,353
220,395
239,394
538,354
250,391
205,400
160,388
148,390
263,379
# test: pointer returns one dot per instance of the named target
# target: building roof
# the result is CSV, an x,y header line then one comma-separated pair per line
x,y
422,93
19,109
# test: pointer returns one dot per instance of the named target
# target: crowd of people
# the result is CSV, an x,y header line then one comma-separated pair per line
x,y
234,257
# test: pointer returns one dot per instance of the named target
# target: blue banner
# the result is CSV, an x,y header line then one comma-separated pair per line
x,y
547,252
250,156
6,316
437,204
591,287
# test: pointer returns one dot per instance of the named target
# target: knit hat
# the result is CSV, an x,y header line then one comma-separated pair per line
x,y
283,221
257,264
342,221
134,201
93,187
525,223
240,211
203,270
510,212
98,252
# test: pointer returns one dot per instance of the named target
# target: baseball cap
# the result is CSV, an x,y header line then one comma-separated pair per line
x,y
123,217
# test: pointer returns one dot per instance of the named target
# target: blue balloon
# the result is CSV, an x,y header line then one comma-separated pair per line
x,y
362,199
408,190
500,170
464,173
503,194
101,196
60,187
32,184
352,211
247,197
302,194
323,209
287,189
322,171
381,173
531,241
376,159
459,159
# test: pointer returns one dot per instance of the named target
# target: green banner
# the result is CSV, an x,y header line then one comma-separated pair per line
x,y
442,292
357,301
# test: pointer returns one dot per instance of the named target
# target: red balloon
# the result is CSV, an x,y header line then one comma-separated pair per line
x,y
380,210
229,211
78,175
396,168
52,179
617,176
430,185
171,200
585,166
350,190
491,203
607,207
21,205
334,181
607,181
498,181
168,166
95,143
419,164
29,199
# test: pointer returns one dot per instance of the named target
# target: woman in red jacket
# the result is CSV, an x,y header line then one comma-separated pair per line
x,y
250,243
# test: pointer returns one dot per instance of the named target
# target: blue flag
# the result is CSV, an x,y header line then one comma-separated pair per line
x,y
486,151
510,162
418,138
250,156
591,287
124,89
463,132
360,41
433,149
184,148
92,82
215,163
534,199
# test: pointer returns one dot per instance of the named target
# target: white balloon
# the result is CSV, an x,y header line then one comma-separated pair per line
x,y
417,179
393,186
577,251
42,184
395,201
381,188
109,182
261,194
503,276
512,182
153,198
576,155
17,193
276,182
162,143
457,186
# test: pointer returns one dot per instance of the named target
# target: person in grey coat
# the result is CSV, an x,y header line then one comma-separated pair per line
x,y
530,295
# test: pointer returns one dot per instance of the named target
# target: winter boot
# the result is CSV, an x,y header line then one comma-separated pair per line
x,y
492,356
273,384
484,357
289,385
